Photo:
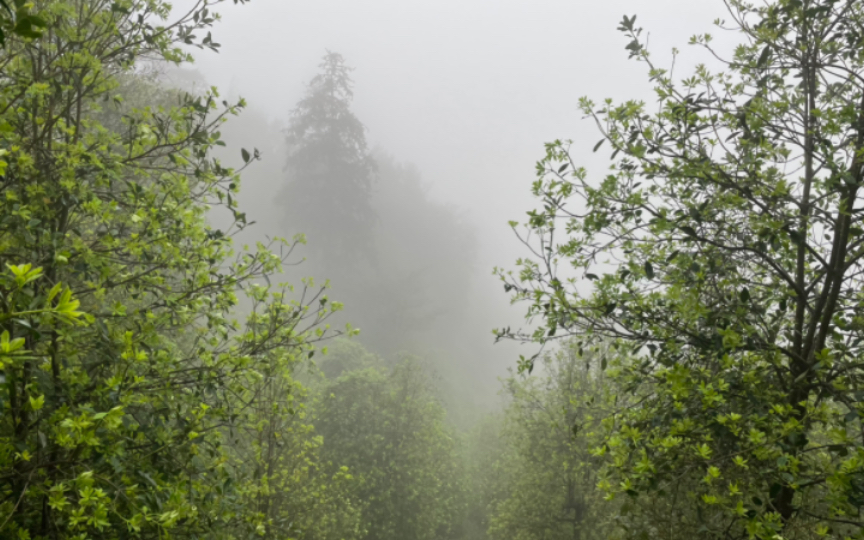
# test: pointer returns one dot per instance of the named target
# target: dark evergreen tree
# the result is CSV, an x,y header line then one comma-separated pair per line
x,y
329,168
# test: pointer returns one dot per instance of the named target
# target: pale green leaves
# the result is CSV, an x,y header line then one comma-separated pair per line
x,y
24,273
11,349
124,277
26,315
735,273
65,307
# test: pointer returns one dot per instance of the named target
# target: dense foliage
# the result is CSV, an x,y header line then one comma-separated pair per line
x,y
151,376
387,425
16,18
722,255
702,304
124,370
547,476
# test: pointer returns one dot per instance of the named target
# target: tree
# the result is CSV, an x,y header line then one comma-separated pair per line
x,y
387,427
329,168
546,471
723,253
116,418
293,492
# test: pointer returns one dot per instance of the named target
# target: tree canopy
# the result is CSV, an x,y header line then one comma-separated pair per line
x,y
125,369
722,256
387,425
329,167
698,307
546,476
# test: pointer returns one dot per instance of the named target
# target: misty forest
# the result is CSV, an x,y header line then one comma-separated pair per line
x,y
477,270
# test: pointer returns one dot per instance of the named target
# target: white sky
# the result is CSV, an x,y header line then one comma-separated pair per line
x,y
467,90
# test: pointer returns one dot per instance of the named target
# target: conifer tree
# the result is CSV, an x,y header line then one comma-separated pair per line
x,y
329,167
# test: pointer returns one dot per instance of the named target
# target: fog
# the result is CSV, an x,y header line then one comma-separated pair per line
x,y
462,95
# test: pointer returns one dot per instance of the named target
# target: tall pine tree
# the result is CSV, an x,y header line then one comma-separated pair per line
x,y
330,170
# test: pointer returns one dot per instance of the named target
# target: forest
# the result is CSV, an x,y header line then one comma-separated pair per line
x,y
218,323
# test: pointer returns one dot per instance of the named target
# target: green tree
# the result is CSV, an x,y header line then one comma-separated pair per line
x,y
116,418
289,489
723,253
547,474
329,168
387,427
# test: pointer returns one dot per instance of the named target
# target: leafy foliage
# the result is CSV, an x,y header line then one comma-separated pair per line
x,y
124,370
387,426
290,492
723,255
18,20
546,472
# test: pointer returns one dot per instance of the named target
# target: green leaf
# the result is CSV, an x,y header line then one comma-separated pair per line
x,y
27,26
117,8
763,58
36,403
795,236
690,231
649,270
55,290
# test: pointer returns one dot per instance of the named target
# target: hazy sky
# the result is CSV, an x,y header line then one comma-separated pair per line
x,y
467,90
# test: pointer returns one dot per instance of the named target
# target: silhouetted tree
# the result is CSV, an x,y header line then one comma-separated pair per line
x,y
329,168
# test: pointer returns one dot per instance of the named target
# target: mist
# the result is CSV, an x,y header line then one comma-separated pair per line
x,y
462,96
266,265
